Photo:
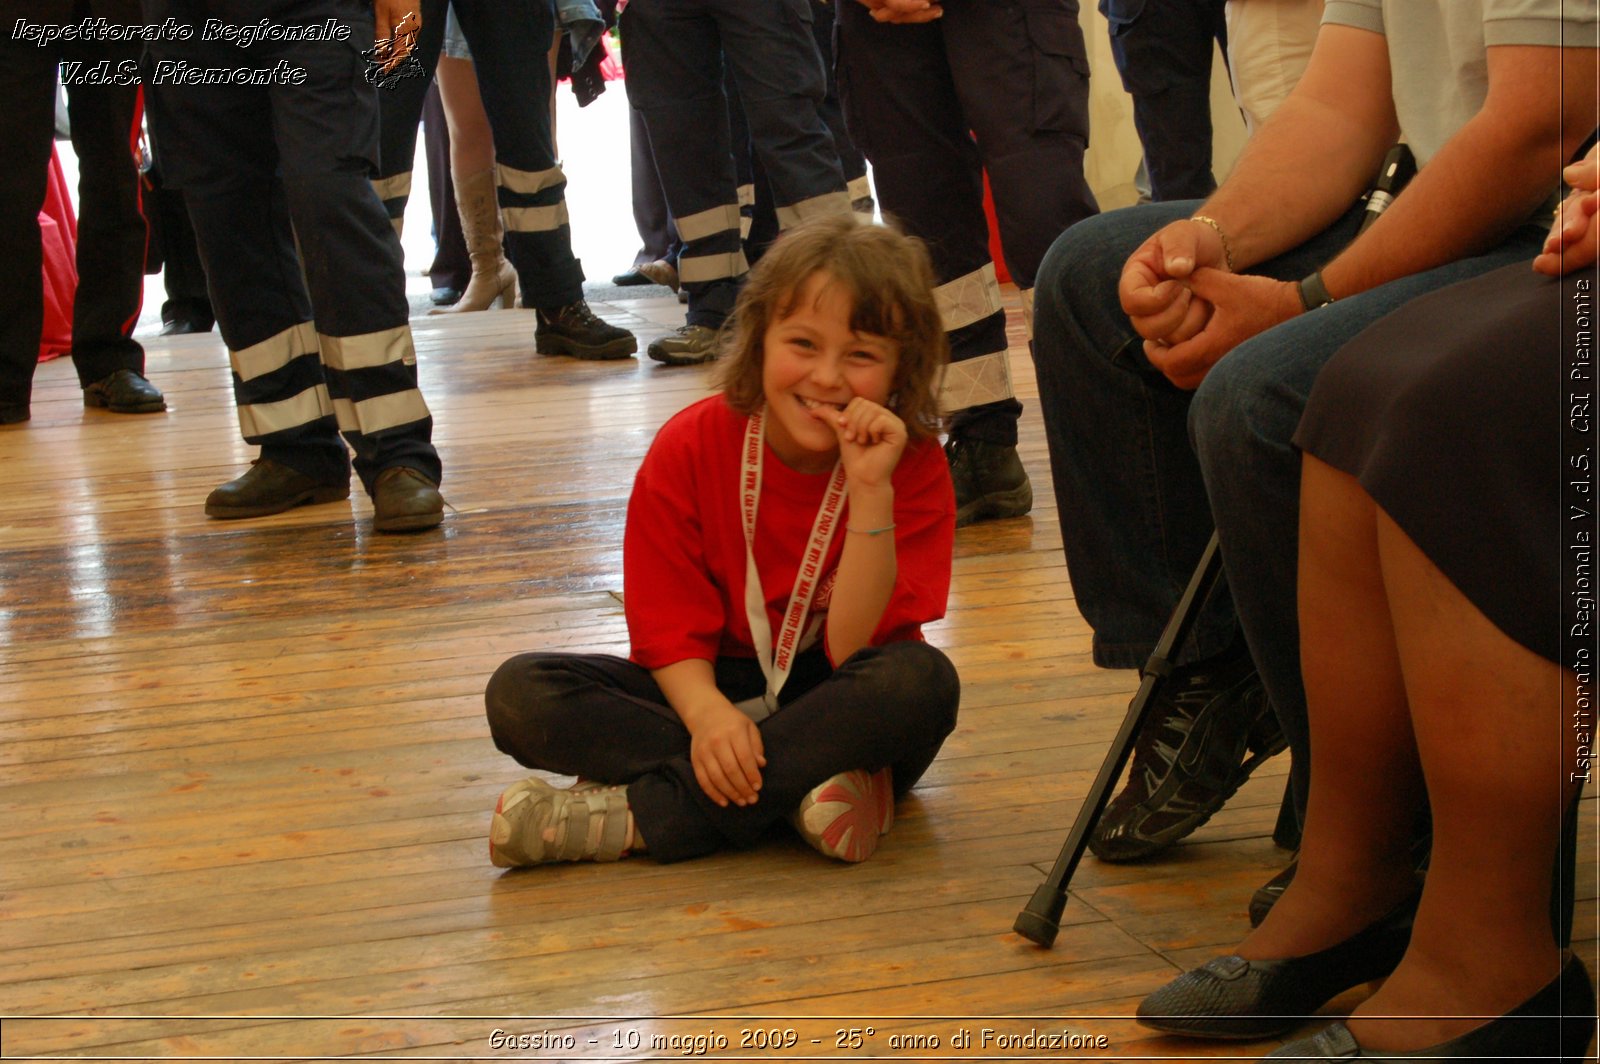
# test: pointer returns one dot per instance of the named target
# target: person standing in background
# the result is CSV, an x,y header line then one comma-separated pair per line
x,y
937,94
103,102
277,177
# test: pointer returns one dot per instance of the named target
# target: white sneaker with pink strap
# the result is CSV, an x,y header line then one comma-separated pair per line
x,y
844,815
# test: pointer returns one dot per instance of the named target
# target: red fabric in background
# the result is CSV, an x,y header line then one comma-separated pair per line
x,y
1001,273
611,65
58,231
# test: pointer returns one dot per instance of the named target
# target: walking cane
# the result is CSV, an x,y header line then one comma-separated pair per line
x,y
1041,920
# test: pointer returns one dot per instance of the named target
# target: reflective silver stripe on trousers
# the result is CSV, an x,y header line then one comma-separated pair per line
x,y
534,219
858,188
702,224
393,187
975,381
712,267
969,298
527,182
747,220
380,412
275,352
263,419
369,349
815,207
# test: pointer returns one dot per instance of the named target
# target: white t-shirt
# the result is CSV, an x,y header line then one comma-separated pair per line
x,y
1438,52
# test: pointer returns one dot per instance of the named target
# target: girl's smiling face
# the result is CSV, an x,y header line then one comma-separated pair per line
x,y
813,363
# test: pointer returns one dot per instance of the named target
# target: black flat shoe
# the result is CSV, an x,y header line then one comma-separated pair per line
x,y
1554,1024
125,392
185,327
1230,997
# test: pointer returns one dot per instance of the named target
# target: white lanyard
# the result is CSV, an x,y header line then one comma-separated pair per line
x,y
777,661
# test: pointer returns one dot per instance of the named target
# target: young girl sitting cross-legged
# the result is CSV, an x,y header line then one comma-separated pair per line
x,y
786,540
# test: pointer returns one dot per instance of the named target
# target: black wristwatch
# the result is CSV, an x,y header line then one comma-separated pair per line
x,y
1313,293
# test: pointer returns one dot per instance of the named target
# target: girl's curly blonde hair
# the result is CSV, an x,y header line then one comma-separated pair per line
x,y
889,280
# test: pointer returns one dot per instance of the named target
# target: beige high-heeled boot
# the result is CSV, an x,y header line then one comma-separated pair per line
x,y
493,278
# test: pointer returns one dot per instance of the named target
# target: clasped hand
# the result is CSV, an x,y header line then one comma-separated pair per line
x,y
1190,310
1573,241
903,12
395,28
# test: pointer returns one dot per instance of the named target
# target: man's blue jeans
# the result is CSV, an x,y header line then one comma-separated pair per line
x,y
1143,471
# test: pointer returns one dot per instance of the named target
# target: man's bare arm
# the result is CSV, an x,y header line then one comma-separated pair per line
x,y
1488,178
1317,153
1299,173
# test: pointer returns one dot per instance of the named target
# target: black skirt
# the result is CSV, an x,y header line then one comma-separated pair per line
x,y
1453,414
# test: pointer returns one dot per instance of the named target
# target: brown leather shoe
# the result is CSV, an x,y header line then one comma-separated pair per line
x,y
404,500
269,488
660,272
125,392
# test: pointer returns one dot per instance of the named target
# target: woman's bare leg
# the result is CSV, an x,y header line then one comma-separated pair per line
x,y
1487,713
471,143
1366,784
477,197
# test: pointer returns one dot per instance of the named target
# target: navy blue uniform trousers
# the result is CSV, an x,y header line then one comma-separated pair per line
x,y
112,232
995,85
265,166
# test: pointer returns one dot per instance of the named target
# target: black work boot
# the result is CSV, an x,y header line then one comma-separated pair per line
x,y
575,331
989,480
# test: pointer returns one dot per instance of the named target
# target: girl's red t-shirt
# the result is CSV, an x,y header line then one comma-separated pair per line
x,y
684,552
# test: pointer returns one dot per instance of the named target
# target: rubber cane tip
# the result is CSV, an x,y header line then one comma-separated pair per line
x,y
1040,921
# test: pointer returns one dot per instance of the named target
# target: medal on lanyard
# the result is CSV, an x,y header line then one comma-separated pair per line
x,y
777,660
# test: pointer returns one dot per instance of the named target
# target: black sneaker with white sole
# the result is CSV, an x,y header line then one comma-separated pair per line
x,y
1212,725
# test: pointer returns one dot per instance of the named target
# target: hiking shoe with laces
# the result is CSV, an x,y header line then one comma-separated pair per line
x,y
1210,728
535,823
574,330
989,480
844,815
687,345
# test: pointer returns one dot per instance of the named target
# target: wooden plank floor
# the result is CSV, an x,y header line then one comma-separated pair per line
x,y
245,777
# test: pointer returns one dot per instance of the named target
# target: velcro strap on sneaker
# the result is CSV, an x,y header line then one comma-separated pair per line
x,y
596,825
572,839
614,834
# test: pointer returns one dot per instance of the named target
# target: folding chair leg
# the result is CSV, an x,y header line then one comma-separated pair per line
x,y
1286,832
